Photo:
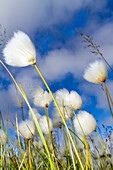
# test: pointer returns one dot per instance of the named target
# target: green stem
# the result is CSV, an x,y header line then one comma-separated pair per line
x,y
104,150
81,164
35,120
108,99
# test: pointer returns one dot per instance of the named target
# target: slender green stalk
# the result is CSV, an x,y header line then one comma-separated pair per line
x,y
88,154
104,150
23,160
108,93
98,156
47,117
19,142
50,135
33,115
108,99
81,164
6,136
71,153
1,119
29,155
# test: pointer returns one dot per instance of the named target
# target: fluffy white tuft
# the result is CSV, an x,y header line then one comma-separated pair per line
x,y
20,51
44,126
96,72
27,128
57,121
62,96
87,122
75,100
42,98
2,136
72,99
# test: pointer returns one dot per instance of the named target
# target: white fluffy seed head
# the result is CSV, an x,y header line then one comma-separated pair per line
x,y
42,98
75,100
57,122
87,122
72,99
44,126
26,128
96,72
20,51
62,96
37,114
2,136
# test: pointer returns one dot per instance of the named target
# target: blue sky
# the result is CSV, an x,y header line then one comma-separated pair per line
x,y
60,52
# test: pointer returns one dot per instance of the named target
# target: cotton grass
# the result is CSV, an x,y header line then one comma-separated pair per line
x,y
41,98
87,121
96,72
44,125
20,51
26,128
72,99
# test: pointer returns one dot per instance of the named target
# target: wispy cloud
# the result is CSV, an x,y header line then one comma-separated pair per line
x,y
32,14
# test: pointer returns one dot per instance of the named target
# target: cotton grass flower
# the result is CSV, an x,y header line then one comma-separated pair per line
x,y
96,72
26,128
57,121
87,122
44,125
20,51
62,97
72,99
42,98
75,100
2,136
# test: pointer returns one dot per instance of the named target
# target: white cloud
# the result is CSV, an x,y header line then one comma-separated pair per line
x,y
59,62
30,15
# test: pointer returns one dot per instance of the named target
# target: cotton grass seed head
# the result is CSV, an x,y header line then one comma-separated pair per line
x,y
20,51
57,121
44,126
26,128
75,100
62,96
2,136
96,72
87,122
42,98
72,99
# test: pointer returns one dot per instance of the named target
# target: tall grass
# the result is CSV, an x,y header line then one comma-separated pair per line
x,y
70,152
